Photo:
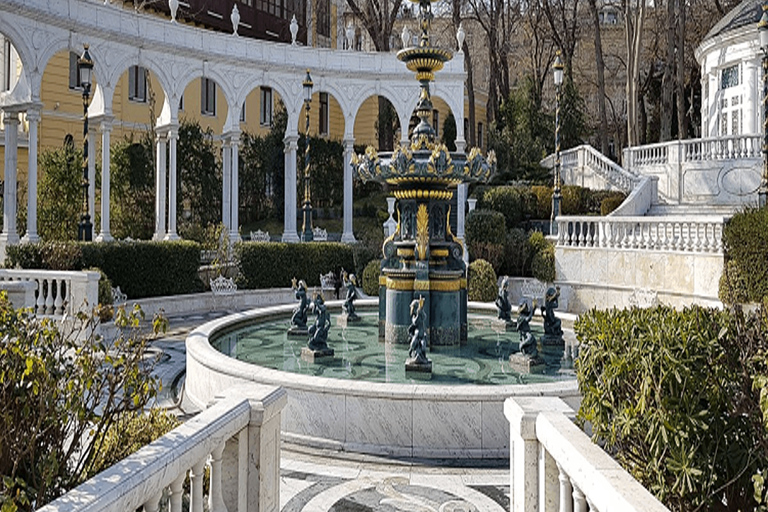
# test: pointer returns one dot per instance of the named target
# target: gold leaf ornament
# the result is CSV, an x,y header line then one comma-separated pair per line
x,y
422,231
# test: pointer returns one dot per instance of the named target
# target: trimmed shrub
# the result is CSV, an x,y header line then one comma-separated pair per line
x,y
515,203
481,281
612,202
675,398
543,201
518,253
543,258
371,278
574,200
731,288
141,269
273,265
485,226
745,239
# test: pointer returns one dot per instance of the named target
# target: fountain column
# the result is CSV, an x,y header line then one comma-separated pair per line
x,y
289,223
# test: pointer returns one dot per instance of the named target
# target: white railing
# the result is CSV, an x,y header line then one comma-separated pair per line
x,y
555,466
57,293
585,156
651,154
644,194
733,147
238,437
691,234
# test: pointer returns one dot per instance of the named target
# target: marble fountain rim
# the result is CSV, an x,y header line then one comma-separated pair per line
x,y
199,348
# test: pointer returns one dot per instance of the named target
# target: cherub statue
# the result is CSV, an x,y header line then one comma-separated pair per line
x,y
299,318
552,324
318,332
350,283
527,339
502,301
417,352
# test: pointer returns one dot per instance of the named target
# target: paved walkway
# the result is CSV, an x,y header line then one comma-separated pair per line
x,y
326,481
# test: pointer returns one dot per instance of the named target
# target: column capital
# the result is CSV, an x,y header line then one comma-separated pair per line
x,y
231,136
33,115
11,116
349,144
291,143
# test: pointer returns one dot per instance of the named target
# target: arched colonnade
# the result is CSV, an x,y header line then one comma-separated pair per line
x,y
176,54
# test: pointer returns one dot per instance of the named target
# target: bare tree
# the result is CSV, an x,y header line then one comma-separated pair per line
x,y
563,18
600,65
634,18
456,18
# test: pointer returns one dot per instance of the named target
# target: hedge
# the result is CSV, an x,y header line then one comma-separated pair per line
x,y
274,265
141,269
676,398
745,239
481,281
371,278
514,202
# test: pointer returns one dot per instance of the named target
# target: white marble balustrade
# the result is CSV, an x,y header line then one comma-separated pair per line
x,y
56,293
733,147
688,234
555,467
651,154
238,437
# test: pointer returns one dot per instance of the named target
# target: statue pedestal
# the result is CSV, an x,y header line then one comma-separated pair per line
x,y
343,319
310,356
553,340
523,363
297,331
415,367
501,326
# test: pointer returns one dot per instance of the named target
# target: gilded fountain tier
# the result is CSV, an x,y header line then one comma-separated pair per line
x,y
423,260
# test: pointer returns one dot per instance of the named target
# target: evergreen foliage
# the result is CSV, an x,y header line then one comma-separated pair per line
x,y
132,189
60,194
481,281
745,239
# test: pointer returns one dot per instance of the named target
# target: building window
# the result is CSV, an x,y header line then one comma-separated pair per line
x,y
242,113
265,118
249,3
466,128
74,76
324,18
323,129
181,102
137,84
7,68
436,122
729,77
207,97
480,135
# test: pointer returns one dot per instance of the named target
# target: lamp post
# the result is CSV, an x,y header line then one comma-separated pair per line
x,y
557,196
84,69
306,230
762,28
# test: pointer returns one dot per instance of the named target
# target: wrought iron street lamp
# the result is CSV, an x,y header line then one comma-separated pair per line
x,y
762,28
557,196
306,230
85,70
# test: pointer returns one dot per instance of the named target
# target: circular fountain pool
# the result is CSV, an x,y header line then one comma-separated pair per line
x,y
329,406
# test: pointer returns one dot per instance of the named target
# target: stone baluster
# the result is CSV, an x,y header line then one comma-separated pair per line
x,y
626,239
677,235
719,237
40,304
582,236
215,498
697,245
579,500
196,484
562,226
566,491
50,283
177,491
61,291
153,505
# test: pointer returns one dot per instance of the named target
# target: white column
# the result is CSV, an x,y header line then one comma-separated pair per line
x,y
226,170
173,138
92,175
9,236
234,234
289,223
751,98
461,201
160,189
33,117
347,235
106,129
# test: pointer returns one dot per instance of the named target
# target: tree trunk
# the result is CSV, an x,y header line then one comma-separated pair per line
x,y
600,64
634,18
470,137
682,119
668,79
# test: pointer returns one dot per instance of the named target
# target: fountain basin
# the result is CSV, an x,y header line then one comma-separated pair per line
x,y
401,420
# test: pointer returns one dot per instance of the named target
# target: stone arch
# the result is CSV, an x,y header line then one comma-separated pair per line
x,y
220,122
335,114
251,97
365,130
19,43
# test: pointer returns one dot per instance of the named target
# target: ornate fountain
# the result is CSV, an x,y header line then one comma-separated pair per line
x,y
423,259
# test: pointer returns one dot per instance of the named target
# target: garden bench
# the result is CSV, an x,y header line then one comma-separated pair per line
x,y
319,234
328,284
118,297
259,236
223,286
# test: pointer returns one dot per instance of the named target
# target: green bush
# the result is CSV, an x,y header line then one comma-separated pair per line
x,y
542,257
518,253
515,203
485,226
745,239
675,397
371,278
543,201
273,265
610,203
481,281
574,200
732,289
140,269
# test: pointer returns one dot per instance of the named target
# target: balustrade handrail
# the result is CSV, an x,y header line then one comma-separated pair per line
x,y
601,165
604,483
141,478
639,219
